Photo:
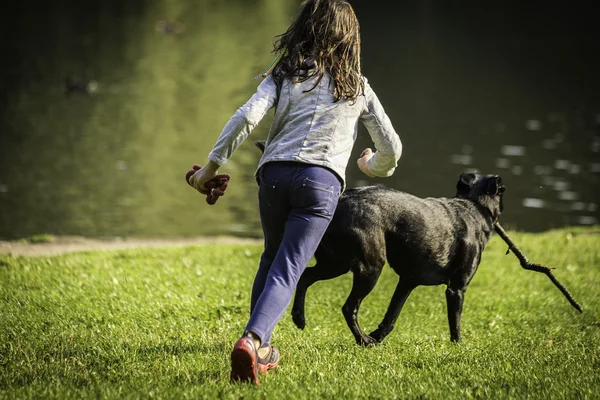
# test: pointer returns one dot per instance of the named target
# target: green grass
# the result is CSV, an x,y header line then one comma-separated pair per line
x,y
160,323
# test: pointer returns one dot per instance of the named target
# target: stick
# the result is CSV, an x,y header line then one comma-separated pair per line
x,y
526,264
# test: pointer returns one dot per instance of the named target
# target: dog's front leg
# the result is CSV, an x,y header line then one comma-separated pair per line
x,y
454,301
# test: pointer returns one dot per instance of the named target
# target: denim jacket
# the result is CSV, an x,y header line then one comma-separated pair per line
x,y
310,127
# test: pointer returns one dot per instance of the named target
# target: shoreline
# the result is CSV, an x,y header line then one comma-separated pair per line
x,y
70,244
50,245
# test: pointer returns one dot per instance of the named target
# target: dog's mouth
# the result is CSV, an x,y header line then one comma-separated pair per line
x,y
500,188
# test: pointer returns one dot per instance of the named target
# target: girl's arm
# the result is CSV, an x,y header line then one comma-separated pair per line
x,y
235,132
387,142
244,121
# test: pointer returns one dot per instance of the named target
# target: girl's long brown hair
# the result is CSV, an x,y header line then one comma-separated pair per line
x,y
324,37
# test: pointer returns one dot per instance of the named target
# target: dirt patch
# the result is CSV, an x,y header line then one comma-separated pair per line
x,y
69,244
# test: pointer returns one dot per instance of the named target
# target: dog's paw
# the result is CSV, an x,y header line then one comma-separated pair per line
x,y
377,335
298,319
365,340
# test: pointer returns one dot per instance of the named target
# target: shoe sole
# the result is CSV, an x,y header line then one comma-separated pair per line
x,y
243,365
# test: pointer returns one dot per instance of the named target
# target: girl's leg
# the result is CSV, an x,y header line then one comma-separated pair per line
x,y
314,192
274,208
273,217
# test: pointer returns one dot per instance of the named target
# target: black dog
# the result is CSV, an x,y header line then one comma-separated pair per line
x,y
428,241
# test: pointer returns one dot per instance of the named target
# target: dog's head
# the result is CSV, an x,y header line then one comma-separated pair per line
x,y
485,190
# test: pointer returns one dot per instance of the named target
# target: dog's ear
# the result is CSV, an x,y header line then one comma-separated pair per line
x,y
495,186
260,144
465,181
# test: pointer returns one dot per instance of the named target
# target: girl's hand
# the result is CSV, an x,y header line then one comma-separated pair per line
x,y
191,172
198,176
365,156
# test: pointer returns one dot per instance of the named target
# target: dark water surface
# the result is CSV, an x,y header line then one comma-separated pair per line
x,y
106,104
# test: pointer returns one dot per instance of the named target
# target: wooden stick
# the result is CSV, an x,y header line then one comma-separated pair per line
x,y
526,264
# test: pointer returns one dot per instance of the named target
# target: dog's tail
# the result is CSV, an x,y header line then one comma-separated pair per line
x,y
260,144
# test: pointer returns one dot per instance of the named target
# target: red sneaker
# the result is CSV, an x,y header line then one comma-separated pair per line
x,y
269,362
244,361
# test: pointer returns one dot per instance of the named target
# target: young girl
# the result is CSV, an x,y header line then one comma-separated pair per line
x,y
319,95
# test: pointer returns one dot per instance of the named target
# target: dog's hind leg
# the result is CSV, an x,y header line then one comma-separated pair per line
x,y
454,301
320,272
398,299
362,285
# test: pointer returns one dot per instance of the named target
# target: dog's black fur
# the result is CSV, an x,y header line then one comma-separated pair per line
x,y
428,241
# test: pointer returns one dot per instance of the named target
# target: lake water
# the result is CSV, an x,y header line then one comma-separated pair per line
x,y
106,106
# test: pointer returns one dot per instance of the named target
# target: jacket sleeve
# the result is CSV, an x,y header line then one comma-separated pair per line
x,y
244,121
387,142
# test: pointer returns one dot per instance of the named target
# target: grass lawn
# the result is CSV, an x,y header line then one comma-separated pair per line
x,y
160,323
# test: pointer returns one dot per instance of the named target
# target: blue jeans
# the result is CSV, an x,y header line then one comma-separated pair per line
x,y
296,203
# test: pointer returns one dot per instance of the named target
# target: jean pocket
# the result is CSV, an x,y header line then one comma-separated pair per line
x,y
317,197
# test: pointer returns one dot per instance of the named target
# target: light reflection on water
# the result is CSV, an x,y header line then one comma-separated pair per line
x,y
561,181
